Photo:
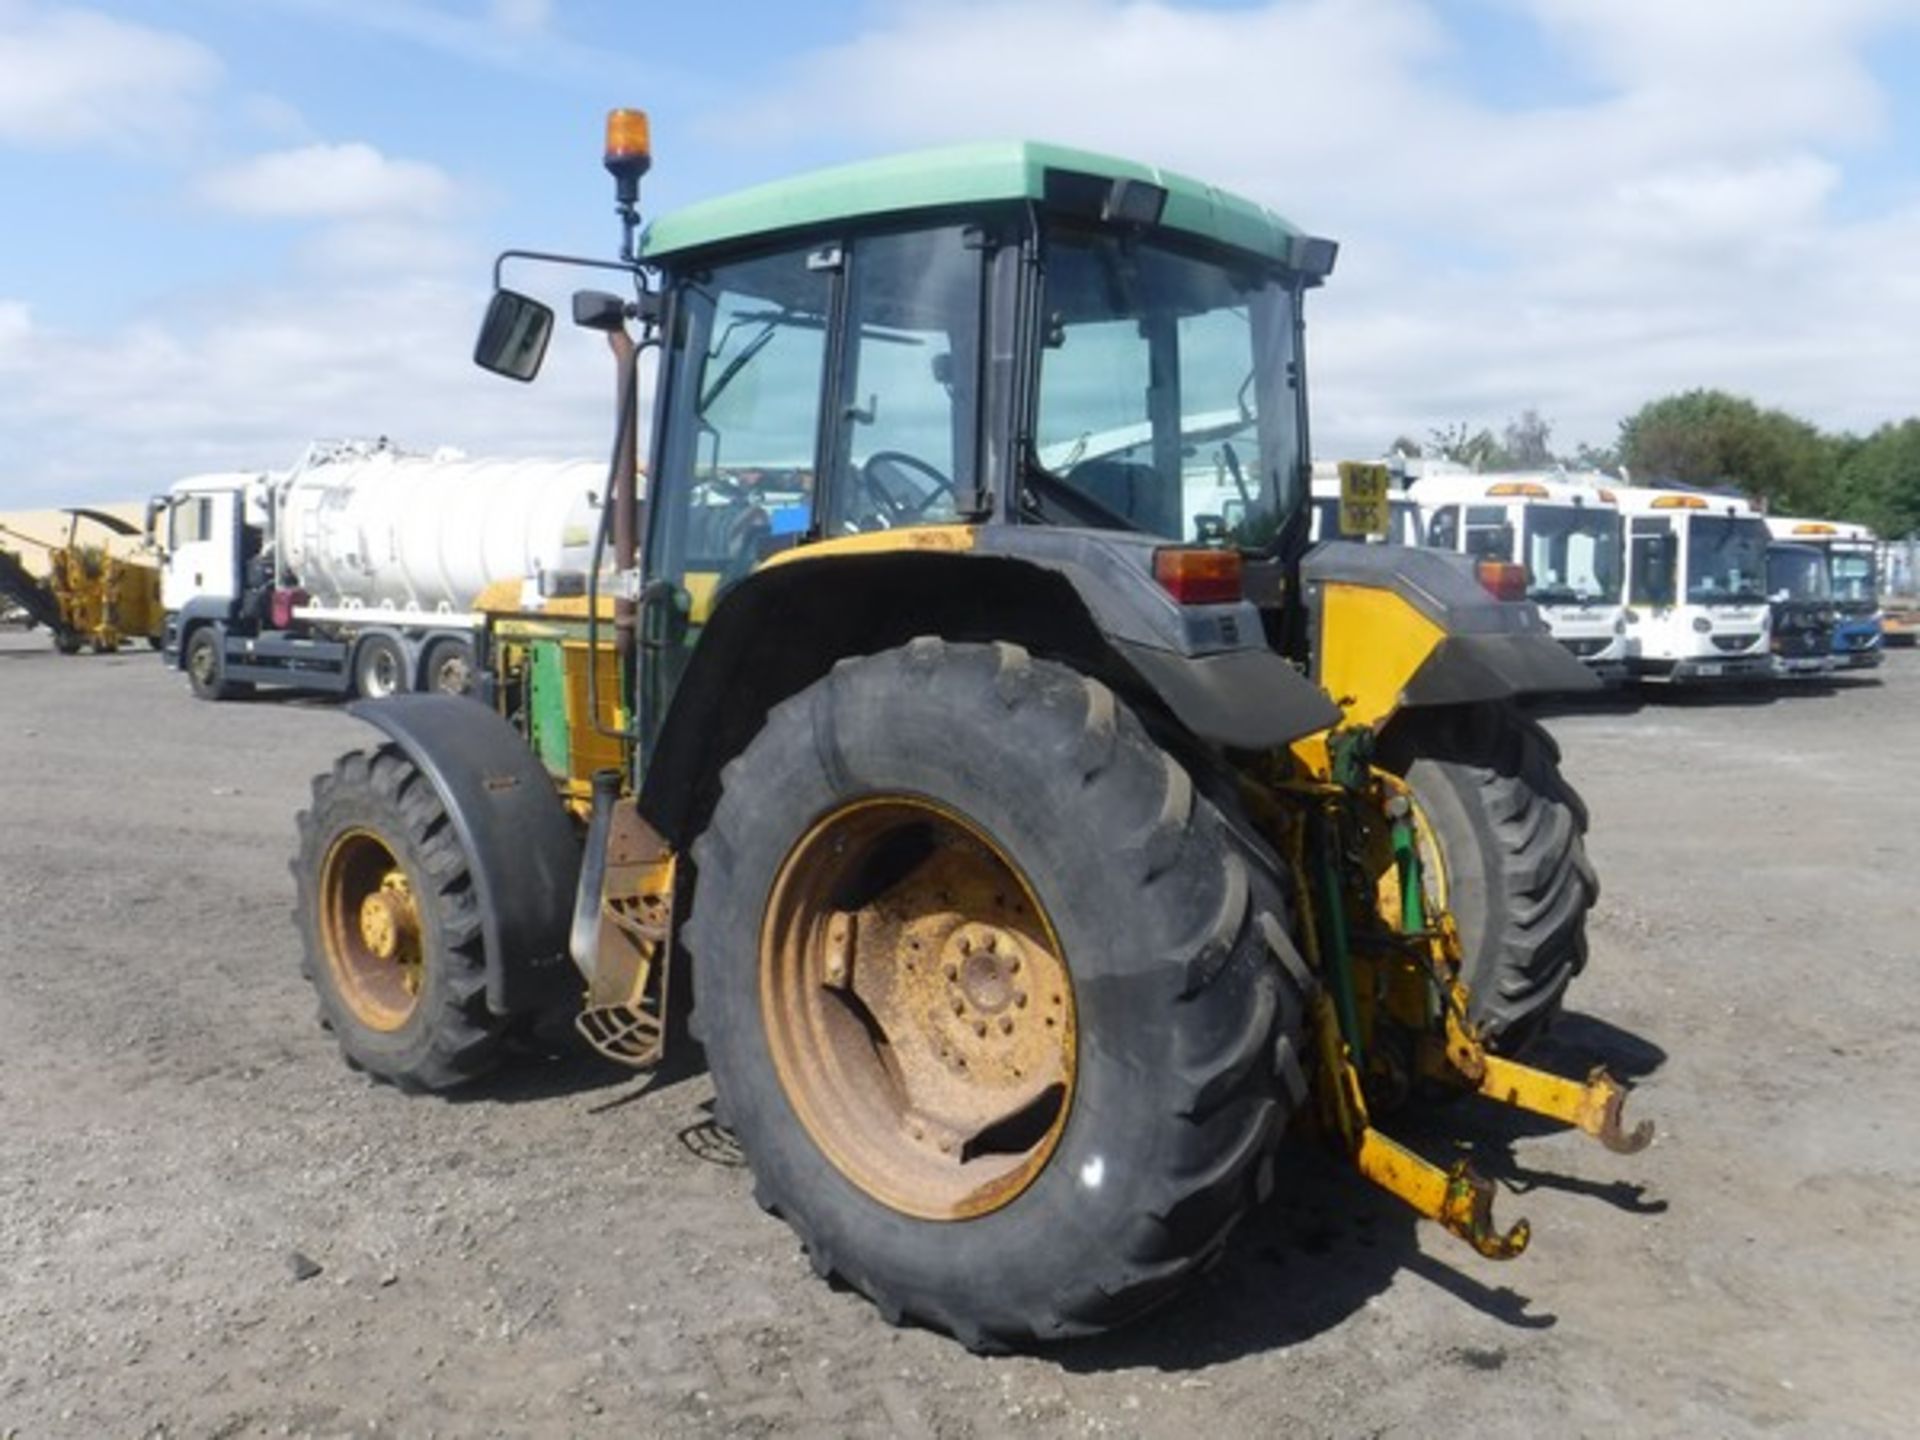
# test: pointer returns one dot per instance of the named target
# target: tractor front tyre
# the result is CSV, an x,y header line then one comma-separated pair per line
x,y
389,927
206,668
1512,858
1003,1013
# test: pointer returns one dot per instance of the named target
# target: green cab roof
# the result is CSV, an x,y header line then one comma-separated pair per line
x,y
957,176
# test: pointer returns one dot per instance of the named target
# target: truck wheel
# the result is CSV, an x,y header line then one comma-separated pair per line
x,y
1512,860
389,927
450,667
207,668
1005,1017
379,667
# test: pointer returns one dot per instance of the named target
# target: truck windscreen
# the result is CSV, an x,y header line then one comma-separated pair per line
x,y
1726,560
1572,554
1852,569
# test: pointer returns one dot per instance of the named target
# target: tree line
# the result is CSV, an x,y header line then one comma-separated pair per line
x,y
1711,438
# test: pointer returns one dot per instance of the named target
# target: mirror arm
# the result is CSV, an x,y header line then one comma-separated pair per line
x,y
551,257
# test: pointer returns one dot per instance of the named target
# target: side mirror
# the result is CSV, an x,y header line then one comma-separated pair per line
x,y
513,337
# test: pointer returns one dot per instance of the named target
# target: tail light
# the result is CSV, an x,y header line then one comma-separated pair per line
x,y
1198,577
1503,580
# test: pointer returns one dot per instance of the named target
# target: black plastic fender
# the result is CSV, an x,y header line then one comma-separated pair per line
x,y
522,844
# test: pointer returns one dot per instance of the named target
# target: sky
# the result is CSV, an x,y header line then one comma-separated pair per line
x,y
228,227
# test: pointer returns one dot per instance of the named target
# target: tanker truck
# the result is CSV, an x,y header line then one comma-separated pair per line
x,y
355,571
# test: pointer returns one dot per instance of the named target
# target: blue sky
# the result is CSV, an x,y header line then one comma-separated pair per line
x,y
232,225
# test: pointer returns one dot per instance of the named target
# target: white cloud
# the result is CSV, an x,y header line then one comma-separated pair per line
x,y
329,182
522,14
249,382
1675,225
72,77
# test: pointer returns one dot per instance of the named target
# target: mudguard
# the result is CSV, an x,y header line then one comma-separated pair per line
x,y
522,845
1396,628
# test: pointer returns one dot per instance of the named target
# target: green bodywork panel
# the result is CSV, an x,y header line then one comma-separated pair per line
x,y
960,175
547,705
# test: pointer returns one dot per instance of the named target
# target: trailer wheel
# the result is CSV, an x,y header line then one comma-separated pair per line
x,y
1512,858
207,668
379,667
1003,1014
450,667
389,926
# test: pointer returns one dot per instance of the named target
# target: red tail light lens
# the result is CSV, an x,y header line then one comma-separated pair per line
x,y
1198,577
1503,580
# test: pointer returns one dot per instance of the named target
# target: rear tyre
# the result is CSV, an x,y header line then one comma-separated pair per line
x,y
206,668
450,667
1003,1014
379,667
389,927
1510,832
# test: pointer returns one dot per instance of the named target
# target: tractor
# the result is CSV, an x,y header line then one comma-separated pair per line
x,y
1041,826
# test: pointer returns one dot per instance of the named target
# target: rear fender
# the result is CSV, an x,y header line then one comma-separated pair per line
x,y
522,846
785,626
1395,628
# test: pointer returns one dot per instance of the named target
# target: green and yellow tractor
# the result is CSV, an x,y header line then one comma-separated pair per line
x,y
1042,829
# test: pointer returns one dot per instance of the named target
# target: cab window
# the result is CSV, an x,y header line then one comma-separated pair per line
x,y
907,426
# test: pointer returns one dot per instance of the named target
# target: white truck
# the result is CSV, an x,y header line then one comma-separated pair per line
x,y
1695,587
1563,529
354,572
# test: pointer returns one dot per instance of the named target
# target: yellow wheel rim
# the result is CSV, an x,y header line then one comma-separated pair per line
x,y
370,931
918,1008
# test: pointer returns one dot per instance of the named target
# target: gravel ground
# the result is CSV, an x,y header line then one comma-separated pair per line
x,y
574,1251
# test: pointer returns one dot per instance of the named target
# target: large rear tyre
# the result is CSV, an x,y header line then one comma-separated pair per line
x,y
389,927
1513,859
1004,1015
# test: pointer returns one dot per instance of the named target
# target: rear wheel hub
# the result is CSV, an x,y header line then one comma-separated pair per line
x,y
918,1007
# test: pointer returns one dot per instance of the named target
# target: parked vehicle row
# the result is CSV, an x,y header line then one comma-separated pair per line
x,y
1649,584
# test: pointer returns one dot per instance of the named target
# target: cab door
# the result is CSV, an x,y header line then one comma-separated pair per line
x,y
201,534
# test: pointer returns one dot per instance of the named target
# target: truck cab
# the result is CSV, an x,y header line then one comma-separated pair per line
x,y
1695,587
1563,529
1801,601
206,528
1851,553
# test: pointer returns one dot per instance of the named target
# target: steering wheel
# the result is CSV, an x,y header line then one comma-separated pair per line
x,y
897,512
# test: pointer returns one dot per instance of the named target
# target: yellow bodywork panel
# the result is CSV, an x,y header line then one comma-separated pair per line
x,y
1371,643
948,539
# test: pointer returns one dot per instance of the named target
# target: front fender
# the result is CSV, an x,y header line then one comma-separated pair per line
x,y
521,845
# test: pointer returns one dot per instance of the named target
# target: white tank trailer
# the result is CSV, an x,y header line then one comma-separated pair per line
x,y
354,572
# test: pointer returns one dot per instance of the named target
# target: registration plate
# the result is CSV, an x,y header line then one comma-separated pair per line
x,y
1707,669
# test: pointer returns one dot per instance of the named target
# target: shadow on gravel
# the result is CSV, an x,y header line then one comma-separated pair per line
x,y
1329,1241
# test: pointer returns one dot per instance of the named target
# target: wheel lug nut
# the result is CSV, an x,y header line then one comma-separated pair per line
x,y
953,972
993,943
966,946
980,1027
959,1006
1006,1024
1020,998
